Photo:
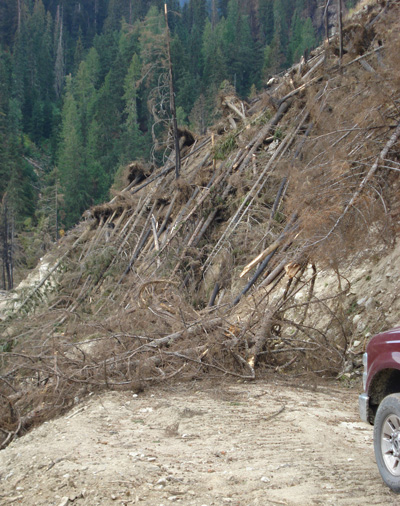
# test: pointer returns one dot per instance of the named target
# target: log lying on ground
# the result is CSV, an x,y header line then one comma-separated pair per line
x,y
229,102
271,248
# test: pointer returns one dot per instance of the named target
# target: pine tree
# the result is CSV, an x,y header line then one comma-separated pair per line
x,y
5,85
16,176
106,46
198,115
266,17
308,38
302,37
116,11
72,172
21,179
275,57
79,51
19,65
38,78
187,86
8,21
240,49
85,90
130,95
98,180
197,20
59,66
132,142
215,63
153,56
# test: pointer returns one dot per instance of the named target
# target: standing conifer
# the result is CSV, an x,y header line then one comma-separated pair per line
x,y
59,67
132,147
73,177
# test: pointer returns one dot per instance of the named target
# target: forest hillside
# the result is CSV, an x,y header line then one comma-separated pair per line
x,y
251,261
85,90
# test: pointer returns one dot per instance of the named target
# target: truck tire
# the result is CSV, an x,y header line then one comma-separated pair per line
x,y
387,441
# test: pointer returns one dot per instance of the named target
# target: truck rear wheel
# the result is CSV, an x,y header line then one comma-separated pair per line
x,y
387,441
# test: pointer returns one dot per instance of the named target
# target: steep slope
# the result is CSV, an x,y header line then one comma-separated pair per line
x,y
246,263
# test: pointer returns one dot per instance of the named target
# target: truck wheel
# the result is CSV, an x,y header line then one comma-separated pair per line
x,y
387,441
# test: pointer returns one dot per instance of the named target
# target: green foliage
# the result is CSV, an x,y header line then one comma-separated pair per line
x,y
99,261
303,38
131,94
224,147
181,116
278,134
6,345
73,175
36,240
215,62
353,308
242,55
264,118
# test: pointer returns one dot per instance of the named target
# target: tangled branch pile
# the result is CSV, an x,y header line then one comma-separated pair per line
x,y
217,273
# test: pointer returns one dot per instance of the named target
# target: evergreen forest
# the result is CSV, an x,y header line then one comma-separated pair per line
x,y
84,89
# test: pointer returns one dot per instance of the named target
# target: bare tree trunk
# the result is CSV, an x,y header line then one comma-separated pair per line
x,y
19,16
4,261
56,209
326,18
7,250
172,101
340,28
59,64
11,253
214,295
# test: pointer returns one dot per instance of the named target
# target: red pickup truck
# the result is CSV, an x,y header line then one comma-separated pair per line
x,y
380,402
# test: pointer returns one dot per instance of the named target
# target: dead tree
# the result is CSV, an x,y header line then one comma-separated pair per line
x,y
19,15
172,101
59,63
7,239
326,20
340,29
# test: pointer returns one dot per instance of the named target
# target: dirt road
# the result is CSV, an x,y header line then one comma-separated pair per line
x,y
266,443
